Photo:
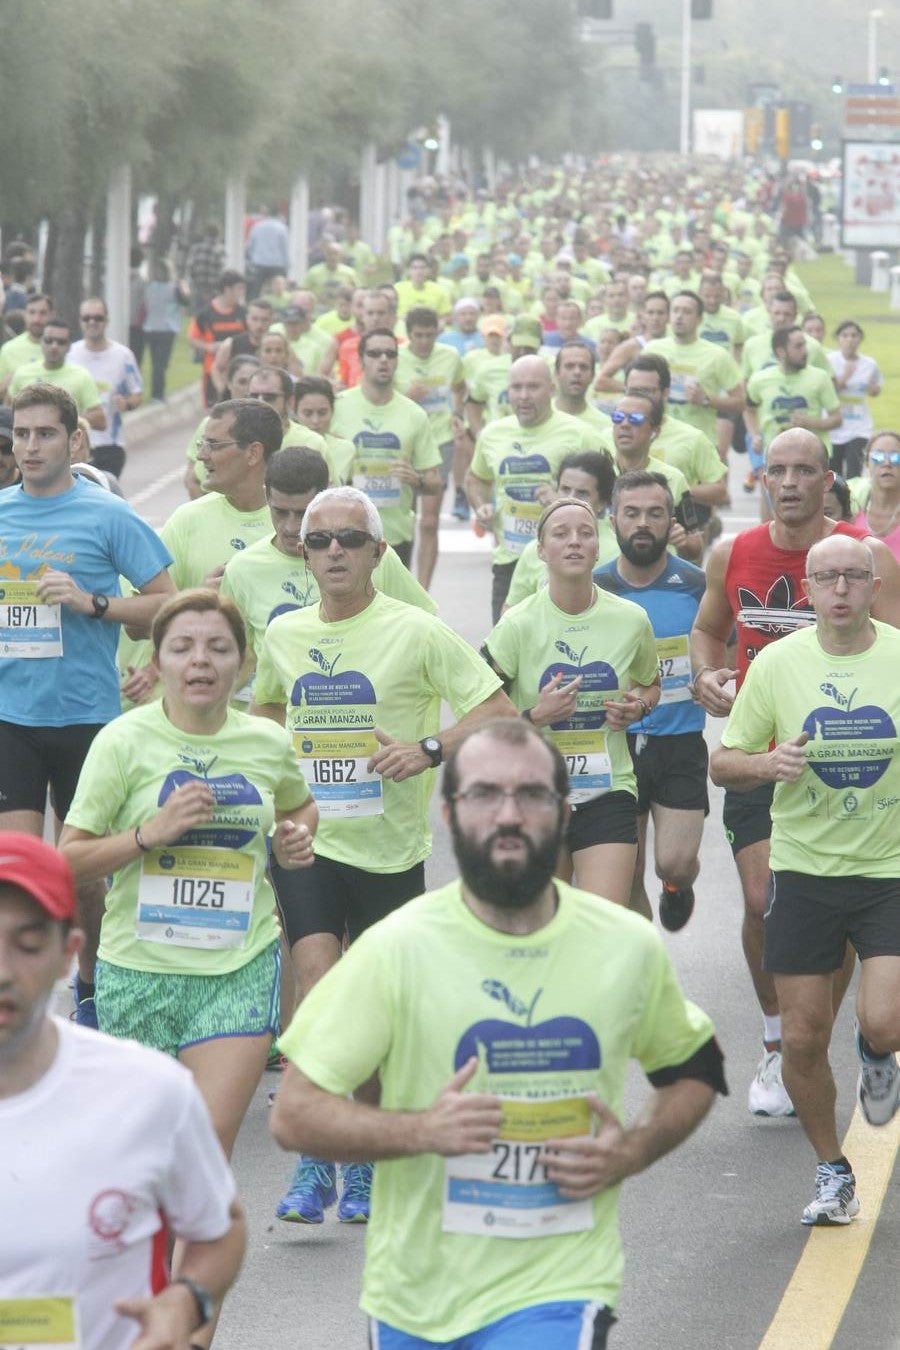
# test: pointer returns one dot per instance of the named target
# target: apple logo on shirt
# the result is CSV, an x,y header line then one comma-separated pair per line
x,y
231,827
519,1045
326,689
596,677
848,747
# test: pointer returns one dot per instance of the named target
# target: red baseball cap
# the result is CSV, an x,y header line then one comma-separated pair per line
x,y
39,870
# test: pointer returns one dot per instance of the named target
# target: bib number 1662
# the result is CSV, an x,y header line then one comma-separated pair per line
x,y
334,770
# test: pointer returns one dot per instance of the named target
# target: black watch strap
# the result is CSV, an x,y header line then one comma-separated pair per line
x,y
101,605
202,1297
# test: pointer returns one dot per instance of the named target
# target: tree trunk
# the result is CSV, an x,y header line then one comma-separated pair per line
x,y
67,276
98,252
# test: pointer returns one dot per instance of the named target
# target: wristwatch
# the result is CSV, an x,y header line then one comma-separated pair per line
x,y
433,749
203,1298
101,605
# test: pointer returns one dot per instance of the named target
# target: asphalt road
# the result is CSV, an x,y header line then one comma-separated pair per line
x,y
712,1233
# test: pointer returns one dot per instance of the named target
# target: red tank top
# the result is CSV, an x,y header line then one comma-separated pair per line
x,y
763,586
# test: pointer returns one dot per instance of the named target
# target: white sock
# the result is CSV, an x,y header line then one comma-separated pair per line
x,y
771,1028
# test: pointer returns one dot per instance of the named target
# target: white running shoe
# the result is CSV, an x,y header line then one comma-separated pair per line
x,y
878,1085
768,1095
835,1201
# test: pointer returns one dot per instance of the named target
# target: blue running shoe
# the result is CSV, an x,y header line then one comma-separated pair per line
x,y
460,508
313,1188
85,1013
353,1206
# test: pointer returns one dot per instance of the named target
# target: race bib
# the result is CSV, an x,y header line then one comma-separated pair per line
x,y
520,522
674,668
49,1323
334,766
196,897
28,628
375,477
588,763
505,1193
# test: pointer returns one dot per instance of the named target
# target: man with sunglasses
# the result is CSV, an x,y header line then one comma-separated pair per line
x,y
397,455
635,421
55,369
114,370
818,717
754,582
358,679
501,1013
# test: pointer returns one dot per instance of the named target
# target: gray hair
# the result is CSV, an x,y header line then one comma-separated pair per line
x,y
350,496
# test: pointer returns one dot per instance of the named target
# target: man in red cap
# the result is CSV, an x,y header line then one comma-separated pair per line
x,y
83,1261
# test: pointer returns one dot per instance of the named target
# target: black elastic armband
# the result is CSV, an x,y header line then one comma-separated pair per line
x,y
705,1064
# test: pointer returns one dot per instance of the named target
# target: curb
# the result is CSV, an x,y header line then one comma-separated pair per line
x,y
145,423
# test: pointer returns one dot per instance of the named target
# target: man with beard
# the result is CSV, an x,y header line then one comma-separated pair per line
x,y
667,748
482,1135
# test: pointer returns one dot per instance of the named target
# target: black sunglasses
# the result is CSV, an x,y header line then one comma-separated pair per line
x,y
322,539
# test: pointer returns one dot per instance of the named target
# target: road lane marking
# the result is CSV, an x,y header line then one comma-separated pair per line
x,y
826,1275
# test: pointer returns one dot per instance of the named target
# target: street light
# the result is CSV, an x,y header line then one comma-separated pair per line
x,y
874,16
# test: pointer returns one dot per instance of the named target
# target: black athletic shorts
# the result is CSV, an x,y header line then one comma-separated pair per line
x,y
35,758
610,819
747,816
809,920
403,551
671,771
501,580
331,897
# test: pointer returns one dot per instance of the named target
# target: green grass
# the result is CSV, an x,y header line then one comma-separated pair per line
x,y
836,296
181,372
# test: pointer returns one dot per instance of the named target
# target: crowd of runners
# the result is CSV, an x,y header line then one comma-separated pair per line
x,y
234,726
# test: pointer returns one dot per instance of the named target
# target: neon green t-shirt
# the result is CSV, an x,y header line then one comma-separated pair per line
x,y
713,369
388,667
611,646
488,379
684,447
777,395
264,582
383,433
74,379
431,295
553,1014
841,818
310,348
724,328
201,906
441,372
331,323
203,534
18,351
517,460
531,572
594,418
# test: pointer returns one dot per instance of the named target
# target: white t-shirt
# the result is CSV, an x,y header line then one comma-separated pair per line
x,y
114,371
857,421
111,1138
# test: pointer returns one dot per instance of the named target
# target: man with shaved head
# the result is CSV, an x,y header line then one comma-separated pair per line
x,y
756,582
515,461
826,700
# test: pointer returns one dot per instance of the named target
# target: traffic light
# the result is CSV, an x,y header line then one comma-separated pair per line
x,y
701,9
645,45
595,9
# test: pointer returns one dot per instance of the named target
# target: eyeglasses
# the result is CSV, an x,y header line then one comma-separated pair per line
x,y
530,798
382,351
852,575
322,539
214,446
885,457
268,398
635,419
92,318
55,342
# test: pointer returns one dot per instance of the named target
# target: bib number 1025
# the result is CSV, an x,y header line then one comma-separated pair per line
x,y
198,892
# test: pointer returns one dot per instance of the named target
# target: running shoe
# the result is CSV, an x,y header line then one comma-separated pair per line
x,y
768,1095
353,1206
835,1201
751,482
85,1013
460,508
878,1085
675,906
311,1192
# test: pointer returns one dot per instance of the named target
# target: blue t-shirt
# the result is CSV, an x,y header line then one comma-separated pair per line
x,y
671,604
96,537
462,342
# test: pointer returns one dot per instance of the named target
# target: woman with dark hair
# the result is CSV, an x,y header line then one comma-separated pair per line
x,y
856,378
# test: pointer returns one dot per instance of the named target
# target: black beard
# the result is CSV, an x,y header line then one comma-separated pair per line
x,y
644,556
511,885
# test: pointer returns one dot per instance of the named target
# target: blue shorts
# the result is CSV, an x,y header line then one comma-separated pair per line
x,y
572,1325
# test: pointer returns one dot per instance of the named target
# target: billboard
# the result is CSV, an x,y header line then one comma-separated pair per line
x,y
719,132
870,211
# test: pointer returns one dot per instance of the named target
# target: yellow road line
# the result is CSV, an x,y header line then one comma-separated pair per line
x,y
822,1284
